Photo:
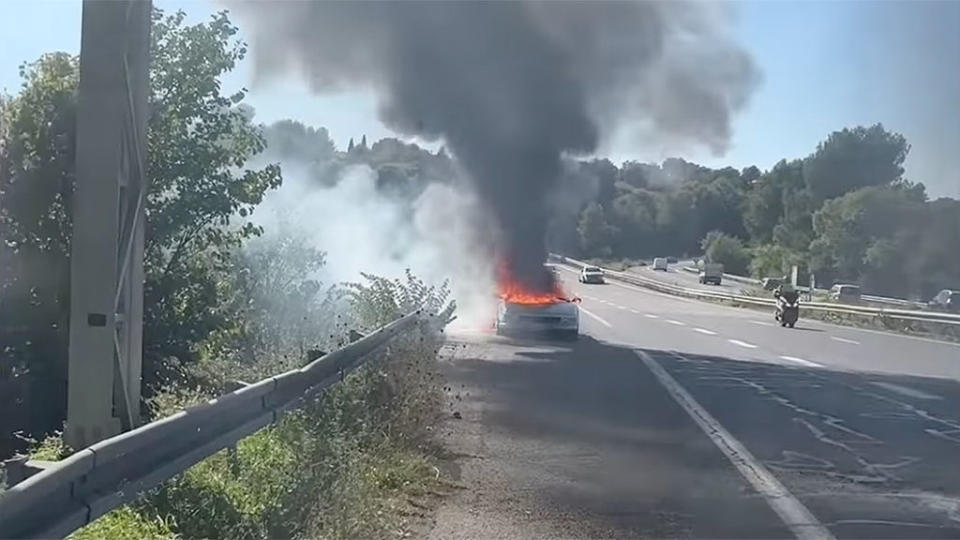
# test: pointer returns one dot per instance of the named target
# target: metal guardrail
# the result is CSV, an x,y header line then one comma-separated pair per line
x,y
869,298
900,314
115,471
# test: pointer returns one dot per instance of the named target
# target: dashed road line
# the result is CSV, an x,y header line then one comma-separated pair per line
x,y
800,361
791,511
620,307
761,323
651,316
844,340
907,391
635,312
678,323
599,319
743,344
705,331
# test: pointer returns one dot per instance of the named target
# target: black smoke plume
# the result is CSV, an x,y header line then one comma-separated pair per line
x,y
512,86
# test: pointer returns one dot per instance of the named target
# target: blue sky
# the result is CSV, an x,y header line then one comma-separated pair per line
x,y
825,65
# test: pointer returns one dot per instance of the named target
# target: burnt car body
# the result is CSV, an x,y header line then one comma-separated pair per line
x,y
560,318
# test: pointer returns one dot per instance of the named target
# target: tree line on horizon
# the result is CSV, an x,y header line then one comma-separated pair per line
x,y
845,213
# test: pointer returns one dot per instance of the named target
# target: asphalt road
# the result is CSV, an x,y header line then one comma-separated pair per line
x,y
676,275
675,418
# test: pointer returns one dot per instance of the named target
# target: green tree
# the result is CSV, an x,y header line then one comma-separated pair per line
x,y
717,204
854,158
856,234
771,260
198,142
278,298
750,174
290,139
37,130
932,256
594,232
727,250
634,216
764,205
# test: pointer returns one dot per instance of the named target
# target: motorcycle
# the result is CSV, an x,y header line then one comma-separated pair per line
x,y
788,310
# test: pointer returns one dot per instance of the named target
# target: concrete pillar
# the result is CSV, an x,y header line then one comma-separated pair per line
x,y
106,274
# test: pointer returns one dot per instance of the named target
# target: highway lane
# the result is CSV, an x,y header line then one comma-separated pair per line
x,y
822,343
579,440
616,435
866,421
676,275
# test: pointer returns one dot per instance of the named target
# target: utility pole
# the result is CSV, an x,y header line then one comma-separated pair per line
x,y
106,256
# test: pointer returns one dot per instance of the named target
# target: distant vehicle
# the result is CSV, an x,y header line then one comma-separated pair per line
x,y
660,263
788,308
559,318
843,292
711,273
672,260
946,300
771,283
591,274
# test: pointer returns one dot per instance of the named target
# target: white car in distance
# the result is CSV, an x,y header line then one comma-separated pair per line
x,y
591,274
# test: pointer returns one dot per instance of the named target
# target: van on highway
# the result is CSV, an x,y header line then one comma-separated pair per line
x,y
711,273
660,263
843,292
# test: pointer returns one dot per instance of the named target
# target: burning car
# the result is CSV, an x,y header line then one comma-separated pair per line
x,y
561,317
523,311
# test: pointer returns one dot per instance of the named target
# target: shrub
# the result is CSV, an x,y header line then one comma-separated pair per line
x,y
727,250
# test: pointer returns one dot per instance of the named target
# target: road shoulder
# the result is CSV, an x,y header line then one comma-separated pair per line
x,y
581,441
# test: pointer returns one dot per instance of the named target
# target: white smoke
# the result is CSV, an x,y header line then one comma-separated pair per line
x,y
365,230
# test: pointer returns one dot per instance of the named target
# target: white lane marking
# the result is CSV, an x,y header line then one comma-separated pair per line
x,y
844,340
891,334
651,292
742,343
800,361
906,391
620,307
635,312
792,512
731,309
595,316
761,323
678,323
705,331
651,316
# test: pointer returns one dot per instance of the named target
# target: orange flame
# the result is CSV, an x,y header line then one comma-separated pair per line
x,y
515,292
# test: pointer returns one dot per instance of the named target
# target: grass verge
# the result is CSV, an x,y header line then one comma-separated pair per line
x,y
356,463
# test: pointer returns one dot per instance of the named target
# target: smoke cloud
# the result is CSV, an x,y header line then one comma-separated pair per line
x,y
512,87
363,228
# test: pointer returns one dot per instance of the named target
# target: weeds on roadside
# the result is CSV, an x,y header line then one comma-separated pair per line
x,y
344,466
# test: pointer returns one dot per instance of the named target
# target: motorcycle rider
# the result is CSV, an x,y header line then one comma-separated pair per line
x,y
785,293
